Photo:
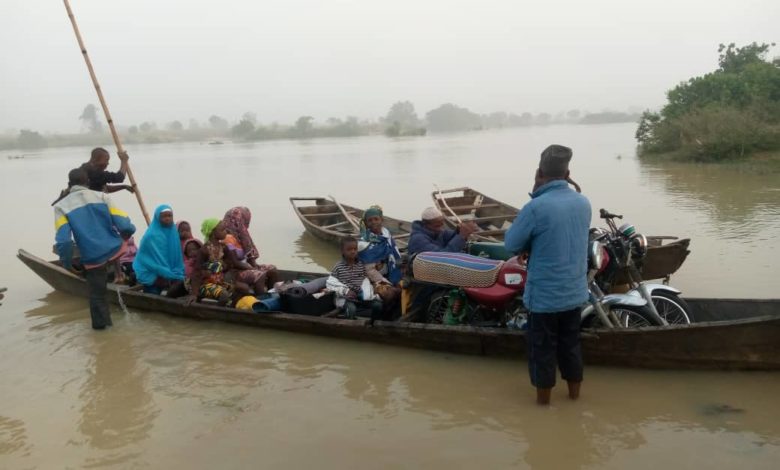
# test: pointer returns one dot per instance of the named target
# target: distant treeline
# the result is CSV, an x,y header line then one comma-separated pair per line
x,y
728,114
400,120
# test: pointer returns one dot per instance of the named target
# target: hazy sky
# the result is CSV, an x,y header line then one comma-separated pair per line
x,y
179,59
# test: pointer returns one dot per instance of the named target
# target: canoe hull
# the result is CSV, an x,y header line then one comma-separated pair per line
x,y
729,343
323,219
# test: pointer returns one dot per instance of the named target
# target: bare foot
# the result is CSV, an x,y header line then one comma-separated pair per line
x,y
574,390
543,396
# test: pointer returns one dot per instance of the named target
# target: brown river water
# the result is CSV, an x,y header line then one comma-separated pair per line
x,y
162,392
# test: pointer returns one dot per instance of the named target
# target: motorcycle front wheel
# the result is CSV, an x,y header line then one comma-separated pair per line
x,y
672,308
634,317
629,317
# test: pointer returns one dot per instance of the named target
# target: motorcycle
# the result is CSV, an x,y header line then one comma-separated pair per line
x,y
626,249
478,306
495,304
611,310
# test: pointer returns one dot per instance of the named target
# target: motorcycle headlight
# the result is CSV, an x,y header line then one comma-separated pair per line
x,y
639,245
596,255
597,233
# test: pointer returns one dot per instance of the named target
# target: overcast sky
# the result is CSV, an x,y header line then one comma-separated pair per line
x,y
162,60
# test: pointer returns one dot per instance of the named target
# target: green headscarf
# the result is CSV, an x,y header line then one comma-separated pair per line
x,y
373,211
207,227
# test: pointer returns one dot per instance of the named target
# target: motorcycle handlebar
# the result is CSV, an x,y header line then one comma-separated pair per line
x,y
605,214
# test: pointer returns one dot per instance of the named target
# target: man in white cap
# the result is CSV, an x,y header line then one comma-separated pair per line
x,y
429,234
553,227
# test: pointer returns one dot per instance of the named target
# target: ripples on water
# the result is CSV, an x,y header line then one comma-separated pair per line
x,y
167,392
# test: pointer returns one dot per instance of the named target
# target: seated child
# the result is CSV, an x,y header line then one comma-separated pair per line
x,y
123,267
348,280
185,232
191,249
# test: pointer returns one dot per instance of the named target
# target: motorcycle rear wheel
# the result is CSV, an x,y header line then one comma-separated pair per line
x,y
437,308
672,308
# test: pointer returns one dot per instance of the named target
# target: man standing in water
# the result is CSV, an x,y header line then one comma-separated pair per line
x,y
99,229
102,180
553,228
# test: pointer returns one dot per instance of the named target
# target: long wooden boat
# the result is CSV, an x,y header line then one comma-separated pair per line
x,y
327,220
664,256
737,334
492,216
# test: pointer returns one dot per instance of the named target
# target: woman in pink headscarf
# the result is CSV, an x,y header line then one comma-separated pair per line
x,y
239,241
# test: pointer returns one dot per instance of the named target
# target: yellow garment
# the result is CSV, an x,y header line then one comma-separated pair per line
x,y
246,302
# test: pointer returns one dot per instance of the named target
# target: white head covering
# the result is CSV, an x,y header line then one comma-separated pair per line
x,y
431,213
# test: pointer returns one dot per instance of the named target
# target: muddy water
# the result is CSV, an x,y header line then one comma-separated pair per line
x,y
162,392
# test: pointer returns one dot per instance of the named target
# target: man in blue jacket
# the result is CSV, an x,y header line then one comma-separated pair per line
x,y
99,230
430,234
553,228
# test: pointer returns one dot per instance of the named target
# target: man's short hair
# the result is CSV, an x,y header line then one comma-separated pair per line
x,y
77,176
555,161
97,152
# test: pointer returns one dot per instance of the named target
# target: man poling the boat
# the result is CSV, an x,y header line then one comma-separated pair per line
x,y
553,227
100,179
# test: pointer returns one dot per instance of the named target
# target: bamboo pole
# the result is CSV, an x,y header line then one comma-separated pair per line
x,y
114,133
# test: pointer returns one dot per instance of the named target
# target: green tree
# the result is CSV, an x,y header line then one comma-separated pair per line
x,y
218,123
728,113
403,112
90,119
735,59
175,126
29,140
303,127
243,129
147,126
449,117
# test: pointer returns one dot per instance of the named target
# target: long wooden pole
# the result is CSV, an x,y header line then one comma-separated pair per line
x,y
350,218
114,133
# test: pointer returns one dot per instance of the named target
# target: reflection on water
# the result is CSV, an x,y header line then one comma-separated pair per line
x,y
117,411
744,204
314,251
170,392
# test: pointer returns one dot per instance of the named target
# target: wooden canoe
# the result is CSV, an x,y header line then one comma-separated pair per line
x,y
738,334
324,219
664,257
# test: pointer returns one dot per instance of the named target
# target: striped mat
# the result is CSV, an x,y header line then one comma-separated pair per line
x,y
456,269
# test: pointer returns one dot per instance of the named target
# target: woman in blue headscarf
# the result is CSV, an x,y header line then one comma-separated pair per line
x,y
159,263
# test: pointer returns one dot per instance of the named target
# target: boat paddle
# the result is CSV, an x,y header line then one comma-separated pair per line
x,y
111,126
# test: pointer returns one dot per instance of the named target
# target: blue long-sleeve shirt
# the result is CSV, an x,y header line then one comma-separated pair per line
x,y
553,226
423,239
92,220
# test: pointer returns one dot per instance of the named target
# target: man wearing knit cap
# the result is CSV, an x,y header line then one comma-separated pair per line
x,y
553,227
429,234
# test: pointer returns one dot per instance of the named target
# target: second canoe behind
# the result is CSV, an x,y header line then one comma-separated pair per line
x,y
324,219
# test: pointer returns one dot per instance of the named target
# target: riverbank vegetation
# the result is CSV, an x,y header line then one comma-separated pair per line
x,y
731,114
401,120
